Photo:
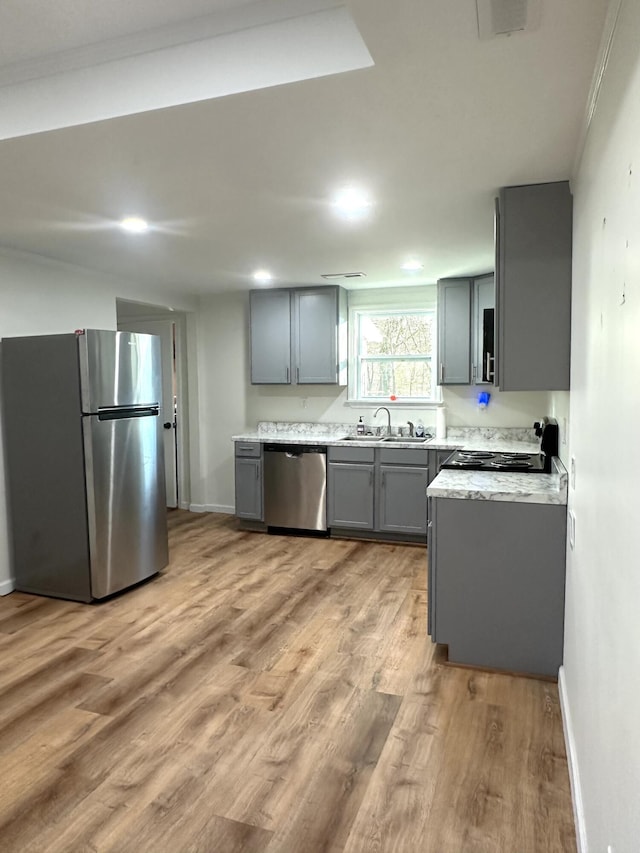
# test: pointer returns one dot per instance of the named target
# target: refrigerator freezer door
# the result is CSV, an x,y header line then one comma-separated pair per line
x,y
125,501
119,369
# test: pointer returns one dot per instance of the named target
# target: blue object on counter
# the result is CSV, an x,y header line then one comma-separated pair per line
x,y
483,399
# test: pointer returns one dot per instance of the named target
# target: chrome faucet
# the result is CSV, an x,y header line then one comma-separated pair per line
x,y
410,428
384,409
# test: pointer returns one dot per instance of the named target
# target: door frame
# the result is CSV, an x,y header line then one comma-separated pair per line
x,y
179,319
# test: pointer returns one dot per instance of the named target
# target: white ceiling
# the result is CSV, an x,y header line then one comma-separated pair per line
x,y
432,129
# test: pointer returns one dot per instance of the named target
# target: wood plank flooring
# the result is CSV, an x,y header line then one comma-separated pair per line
x,y
268,694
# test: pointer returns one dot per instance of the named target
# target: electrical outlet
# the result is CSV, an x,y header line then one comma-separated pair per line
x,y
572,474
571,520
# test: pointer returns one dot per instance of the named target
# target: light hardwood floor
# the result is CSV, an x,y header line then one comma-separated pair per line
x,y
268,694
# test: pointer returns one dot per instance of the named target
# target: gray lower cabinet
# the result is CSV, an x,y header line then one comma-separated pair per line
x,y
381,489
248,479
350,495
496,583
402,506
350,487
533,287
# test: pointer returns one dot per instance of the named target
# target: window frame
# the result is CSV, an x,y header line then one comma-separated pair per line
x,y
356,312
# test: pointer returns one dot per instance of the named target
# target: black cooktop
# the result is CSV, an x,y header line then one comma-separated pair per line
x,y
482,460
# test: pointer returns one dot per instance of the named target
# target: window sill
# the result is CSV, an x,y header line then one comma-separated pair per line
x,y
392,404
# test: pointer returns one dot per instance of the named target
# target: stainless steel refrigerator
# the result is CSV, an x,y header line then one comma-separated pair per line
x,y
84,458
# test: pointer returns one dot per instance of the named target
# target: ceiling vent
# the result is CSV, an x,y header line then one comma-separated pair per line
x,y
333,276
504,17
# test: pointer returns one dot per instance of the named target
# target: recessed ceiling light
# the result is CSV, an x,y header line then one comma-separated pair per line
x,y
134,224
412,265
352,203
262,276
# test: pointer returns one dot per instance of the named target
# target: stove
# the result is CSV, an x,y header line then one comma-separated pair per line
x,y
481,460
522,463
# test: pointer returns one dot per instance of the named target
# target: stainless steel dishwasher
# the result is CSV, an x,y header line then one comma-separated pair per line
x,y
295,486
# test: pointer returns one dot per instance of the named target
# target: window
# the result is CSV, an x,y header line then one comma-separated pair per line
x,y
392,354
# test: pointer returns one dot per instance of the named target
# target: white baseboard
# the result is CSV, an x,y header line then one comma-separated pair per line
x,y
6,587
228,510
572,760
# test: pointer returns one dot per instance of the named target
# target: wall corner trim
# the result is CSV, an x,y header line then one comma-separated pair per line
x,y
7,586
572,760
606,42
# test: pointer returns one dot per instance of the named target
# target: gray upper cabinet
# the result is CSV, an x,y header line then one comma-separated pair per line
x,y
317,329
270,329
483,330
533,286
299,336
466,330
454,332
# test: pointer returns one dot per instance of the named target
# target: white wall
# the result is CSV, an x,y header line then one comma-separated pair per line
x,y
39,297
507,409
219,339
602,625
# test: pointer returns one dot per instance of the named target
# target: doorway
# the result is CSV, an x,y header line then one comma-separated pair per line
x,y
169,327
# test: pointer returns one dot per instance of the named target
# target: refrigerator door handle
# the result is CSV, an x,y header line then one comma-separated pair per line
x,y
120,412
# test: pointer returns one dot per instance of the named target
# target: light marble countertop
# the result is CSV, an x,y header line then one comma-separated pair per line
x,y
499,486
475,485
331,434
339,440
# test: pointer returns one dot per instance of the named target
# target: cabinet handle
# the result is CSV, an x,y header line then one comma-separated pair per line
x,y
257,472
489,372
287,369
384,478
297,375
371,477
441,373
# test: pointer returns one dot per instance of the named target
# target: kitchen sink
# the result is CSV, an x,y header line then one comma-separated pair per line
x,y
405,439
362,438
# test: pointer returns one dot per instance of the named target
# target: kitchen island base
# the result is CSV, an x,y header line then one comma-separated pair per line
x,y
496,583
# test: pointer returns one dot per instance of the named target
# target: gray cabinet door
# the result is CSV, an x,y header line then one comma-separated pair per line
x,y
249,488
534,287
454,332
270,329
316,336
482,338
497,574
402,504
350,495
